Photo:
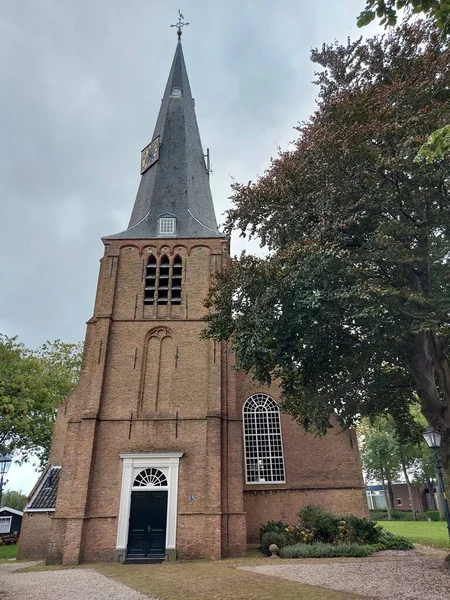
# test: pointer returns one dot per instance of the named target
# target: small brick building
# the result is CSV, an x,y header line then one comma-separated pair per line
x,y
163,449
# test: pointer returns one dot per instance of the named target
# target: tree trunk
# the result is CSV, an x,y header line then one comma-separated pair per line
x,y
431,373
390,493
411,491
440,504
388,500
432,496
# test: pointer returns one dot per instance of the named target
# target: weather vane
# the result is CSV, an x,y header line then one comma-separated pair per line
x,y
180,23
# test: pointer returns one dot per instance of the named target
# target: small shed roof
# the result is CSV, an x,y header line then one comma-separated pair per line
x,y
11,510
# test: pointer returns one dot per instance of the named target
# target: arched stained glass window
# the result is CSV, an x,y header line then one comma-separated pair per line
x,y
264,461
150,478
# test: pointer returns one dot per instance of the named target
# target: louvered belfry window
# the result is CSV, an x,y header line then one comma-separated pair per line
x,y
264,461
177,269
163,280
163,284
150,281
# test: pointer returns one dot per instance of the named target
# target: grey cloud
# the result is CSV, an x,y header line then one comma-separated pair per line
x,y
80,88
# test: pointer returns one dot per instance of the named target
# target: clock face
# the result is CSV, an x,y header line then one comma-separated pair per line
x,y
150,155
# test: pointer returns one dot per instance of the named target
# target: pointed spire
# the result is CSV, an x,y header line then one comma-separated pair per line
x,y
176,185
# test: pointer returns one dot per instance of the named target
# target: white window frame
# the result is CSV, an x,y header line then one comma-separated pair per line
x,y
270,458
168,463
5,520
167,225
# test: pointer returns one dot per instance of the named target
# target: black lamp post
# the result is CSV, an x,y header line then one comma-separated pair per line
x,y
5,463
433,440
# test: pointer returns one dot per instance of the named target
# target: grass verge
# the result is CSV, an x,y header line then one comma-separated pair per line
x,y
428,533
9,551
221,580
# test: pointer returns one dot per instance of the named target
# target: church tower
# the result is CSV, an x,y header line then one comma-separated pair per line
x,y
140,439
163,450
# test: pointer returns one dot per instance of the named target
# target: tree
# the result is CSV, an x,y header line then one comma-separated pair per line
x,y
387,12
380,459
350,309
13,499
32,384
404,456
437,146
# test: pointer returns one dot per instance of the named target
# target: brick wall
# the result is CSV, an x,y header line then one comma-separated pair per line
x,y
150,384
325,471
275,505
34,535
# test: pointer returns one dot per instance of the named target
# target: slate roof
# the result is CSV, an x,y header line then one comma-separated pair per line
x,y
178,183
45,495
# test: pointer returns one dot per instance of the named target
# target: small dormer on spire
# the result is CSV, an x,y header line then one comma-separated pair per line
x,y
180,25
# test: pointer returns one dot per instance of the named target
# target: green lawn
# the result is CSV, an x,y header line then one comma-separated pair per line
x,y
8,551
431,533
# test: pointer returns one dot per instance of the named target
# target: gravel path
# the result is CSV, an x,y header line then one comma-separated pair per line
x,y
411,576
70,584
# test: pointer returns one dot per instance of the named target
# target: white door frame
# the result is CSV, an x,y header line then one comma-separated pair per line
x,y
168,463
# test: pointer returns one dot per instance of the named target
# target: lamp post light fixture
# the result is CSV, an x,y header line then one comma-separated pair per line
x,y
5,463
433,440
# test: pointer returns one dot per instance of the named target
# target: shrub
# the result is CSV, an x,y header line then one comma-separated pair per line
x,y
320,550
421,516
361,531
378,515
297,535
397,515
276,526
331,529
391,541
272,537
433,515
323,525
401,515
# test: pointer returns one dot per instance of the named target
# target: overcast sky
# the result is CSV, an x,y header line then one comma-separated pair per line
x,y
80,88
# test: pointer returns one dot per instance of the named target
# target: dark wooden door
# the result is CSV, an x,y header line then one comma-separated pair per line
x,y
147,530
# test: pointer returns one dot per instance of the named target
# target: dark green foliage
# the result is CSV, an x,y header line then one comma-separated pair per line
x,y
433,515
362,531
387,541
400,515
324,525
387,12
320,550
420,517
378,515
277,526
32,384
391,541
272,537
349,308
329,535
397,515
14,499
332,529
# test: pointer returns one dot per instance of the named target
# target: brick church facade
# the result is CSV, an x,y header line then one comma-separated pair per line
x,y
163,450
